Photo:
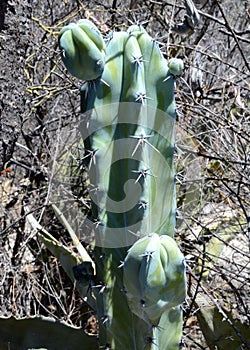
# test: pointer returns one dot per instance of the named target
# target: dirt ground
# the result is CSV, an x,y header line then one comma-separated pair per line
x,y
39,102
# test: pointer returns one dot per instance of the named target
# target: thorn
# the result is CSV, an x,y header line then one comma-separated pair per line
x,y
102,287
142,140
106,347
159,328
102,256
121,264
138,234
97,223
105,319
143,303
169,77
138,60
91,154
150,234
86,116
143,204
136,22
157,42
142,173
142,135
148,255
141,97
93,188
104,82
150,340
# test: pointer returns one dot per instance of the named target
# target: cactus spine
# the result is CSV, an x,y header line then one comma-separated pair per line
x,y
127,126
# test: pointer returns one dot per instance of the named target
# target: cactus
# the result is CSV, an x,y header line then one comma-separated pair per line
x,y
158,263
82,46
136,280
128,117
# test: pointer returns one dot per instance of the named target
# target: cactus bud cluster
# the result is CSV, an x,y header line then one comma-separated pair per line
x,y
175,66
154,277
83,50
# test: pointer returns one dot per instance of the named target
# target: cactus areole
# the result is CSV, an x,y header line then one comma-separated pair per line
x,y
127,126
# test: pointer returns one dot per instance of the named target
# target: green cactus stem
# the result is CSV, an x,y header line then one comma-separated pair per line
x,y
128,117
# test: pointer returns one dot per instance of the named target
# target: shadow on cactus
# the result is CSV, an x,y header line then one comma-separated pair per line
x,y
127,127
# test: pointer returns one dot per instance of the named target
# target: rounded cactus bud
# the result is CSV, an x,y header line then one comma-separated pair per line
x,y
154,277
175,66
83,50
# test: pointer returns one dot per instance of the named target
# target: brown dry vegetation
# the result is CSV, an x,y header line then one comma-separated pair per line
x,y
40,103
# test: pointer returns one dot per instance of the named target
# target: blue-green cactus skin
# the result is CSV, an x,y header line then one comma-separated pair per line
x,y
128,127
83,50
154,276
175,66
